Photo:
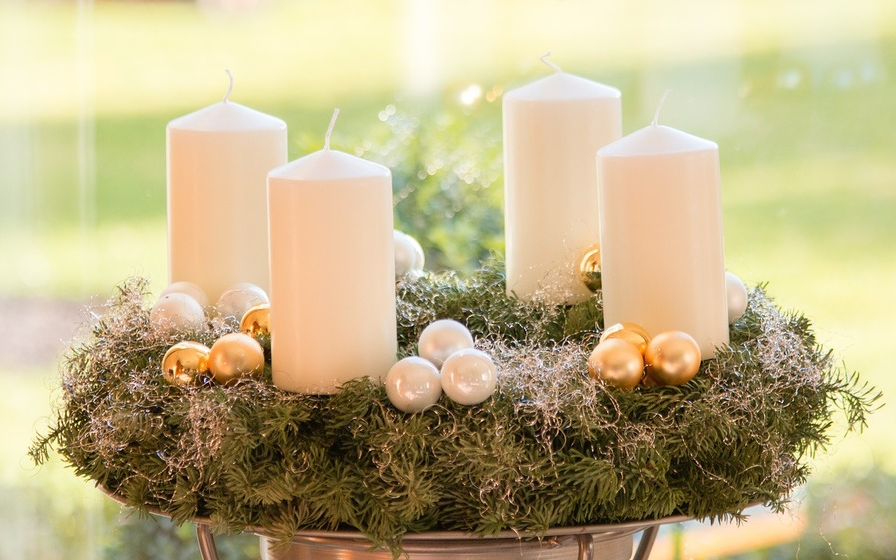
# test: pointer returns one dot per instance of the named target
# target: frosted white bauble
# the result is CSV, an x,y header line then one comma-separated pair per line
x,y
737,297
469,376
189,288
409,257
177,312
442,338
413,384
238,299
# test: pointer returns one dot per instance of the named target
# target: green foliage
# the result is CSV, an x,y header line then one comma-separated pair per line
x,y
446,176
551,448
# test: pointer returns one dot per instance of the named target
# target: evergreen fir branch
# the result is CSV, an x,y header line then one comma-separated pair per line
x,y
551,448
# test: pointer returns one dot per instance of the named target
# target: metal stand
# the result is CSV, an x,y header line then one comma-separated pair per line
x,y
612,541
604,542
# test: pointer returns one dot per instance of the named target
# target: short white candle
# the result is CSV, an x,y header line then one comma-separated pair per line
x,y
218,160
662,260
552,129
332,271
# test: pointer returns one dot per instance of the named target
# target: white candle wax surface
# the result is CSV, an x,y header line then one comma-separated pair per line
x,y
662,255
552,129
332,272
218,160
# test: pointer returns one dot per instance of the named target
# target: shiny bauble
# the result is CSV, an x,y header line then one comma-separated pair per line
x,y
234,356
176,313
469,376
589,269
185,362
442,338
413,384
737,297
672,358
238,299
617,362
189,288
257,320
630,332
409,256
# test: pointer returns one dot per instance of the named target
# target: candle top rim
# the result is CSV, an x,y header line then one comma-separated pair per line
x,y
656,139
329,165
226,115
563,86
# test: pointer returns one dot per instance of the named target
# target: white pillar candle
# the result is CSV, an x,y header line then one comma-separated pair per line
x,y
218,160
662,261
552,129
332,271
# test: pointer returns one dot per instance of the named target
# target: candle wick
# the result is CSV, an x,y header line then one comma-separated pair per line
x,y
330,130
544,58
229,85
656,116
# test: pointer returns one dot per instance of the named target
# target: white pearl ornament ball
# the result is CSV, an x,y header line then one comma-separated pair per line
x,y
409,256
189,288
413,384
442,338
469,376
238,299
737,297
176,312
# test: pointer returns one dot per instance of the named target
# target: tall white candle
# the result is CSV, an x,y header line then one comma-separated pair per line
x,y
218,160
332,271
662,261
552,129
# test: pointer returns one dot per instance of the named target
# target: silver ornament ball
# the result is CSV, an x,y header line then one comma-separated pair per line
x,y
413,384
176,312
189,288
442,338
409,256
737,297
469,376
238,299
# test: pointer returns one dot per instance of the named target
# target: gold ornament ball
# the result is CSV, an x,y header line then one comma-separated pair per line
x,y
589,269
631,332
257,320
672,358
618,362
234,356
184,362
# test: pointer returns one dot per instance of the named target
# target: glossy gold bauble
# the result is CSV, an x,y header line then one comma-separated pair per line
x,y
631,332
672,358
234,356
617,362
184,362
589,269
257,320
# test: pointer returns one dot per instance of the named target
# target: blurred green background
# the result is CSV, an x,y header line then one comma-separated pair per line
x,y
799,95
